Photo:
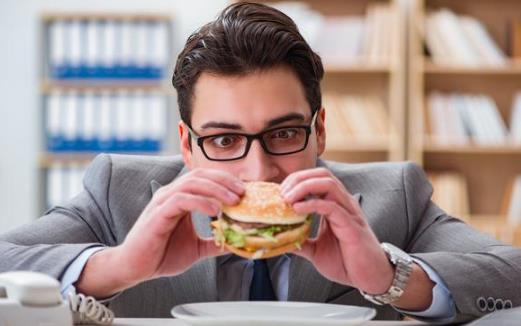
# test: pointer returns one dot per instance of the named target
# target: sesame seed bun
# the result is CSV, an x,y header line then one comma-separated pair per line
x,y
261,206
263,203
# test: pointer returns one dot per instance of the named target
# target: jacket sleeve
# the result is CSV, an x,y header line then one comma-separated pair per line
x,y
475,267
54,240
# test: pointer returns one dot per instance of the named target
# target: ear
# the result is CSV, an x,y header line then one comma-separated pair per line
x,y
320,126
184,136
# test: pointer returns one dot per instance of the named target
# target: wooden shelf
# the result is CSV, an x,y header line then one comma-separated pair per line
x,y
47,160
358,69
472,149
495,218
488,170
51,16
360,147
359,155
160,87
149,86
513,68
498,227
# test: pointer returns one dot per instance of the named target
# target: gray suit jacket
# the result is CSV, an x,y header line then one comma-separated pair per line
x,y
395,198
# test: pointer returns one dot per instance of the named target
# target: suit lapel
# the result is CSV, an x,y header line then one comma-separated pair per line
x,y
199,283
154,186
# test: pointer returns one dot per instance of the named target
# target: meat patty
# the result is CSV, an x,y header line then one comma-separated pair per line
x,y
246,225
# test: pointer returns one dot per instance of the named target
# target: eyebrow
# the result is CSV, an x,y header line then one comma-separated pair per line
x,y
273,122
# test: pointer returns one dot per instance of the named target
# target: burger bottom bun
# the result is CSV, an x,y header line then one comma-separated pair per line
x,y
264,248
262,253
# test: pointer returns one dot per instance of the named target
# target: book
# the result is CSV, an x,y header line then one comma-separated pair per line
x,y
64,181
480,41
457,119
460,40
514,207
348,39
446,125
515,120
337,130
343,50
108,49
351,118
105,121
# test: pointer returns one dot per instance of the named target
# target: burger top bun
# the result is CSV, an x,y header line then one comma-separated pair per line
x,y
263,203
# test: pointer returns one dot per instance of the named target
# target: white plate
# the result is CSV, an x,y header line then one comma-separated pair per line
x,y
272,313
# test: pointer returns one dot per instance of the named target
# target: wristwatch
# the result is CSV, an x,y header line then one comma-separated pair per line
x,y
403,268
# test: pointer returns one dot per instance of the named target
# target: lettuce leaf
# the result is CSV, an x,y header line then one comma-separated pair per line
x,y
236,236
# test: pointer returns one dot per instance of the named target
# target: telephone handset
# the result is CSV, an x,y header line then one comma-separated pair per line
x,y
30,298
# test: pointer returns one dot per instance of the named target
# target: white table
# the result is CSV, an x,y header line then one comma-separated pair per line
x,y
177,322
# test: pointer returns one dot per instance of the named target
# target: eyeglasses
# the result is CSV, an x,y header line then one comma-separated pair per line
x,y
234,146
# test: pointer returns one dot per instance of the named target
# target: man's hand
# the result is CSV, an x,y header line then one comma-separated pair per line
x,y
163,241
346,250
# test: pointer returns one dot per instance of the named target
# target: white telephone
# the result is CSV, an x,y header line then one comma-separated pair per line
x,y
30,298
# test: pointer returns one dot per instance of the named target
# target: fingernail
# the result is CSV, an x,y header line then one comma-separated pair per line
x,y
239,186
233,197
297,208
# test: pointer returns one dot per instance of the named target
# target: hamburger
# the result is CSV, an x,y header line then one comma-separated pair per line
x,y
261,225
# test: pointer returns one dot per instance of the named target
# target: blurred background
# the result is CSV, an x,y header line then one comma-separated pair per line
x,y
437,82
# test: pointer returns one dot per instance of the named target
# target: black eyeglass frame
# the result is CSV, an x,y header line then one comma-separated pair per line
x,y
251,137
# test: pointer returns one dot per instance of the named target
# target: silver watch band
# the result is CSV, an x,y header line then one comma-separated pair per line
x,y
403,268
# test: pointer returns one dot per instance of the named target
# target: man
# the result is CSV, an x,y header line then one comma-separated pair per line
x,y
249,96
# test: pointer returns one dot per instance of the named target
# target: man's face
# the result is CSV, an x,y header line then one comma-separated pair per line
x,y
251,104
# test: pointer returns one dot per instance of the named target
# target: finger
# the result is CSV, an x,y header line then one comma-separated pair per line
x,y
316,205
183,239
220,178
181,203
296,177
185,233
203,187
223,178
344,225
322,187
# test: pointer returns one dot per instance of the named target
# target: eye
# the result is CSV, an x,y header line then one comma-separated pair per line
x,y
225,141
284,133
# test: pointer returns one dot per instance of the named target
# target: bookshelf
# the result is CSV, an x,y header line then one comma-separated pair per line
x,y
104,87
488,169
364,75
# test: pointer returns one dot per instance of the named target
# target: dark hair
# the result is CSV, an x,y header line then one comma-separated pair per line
x,y
246,37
